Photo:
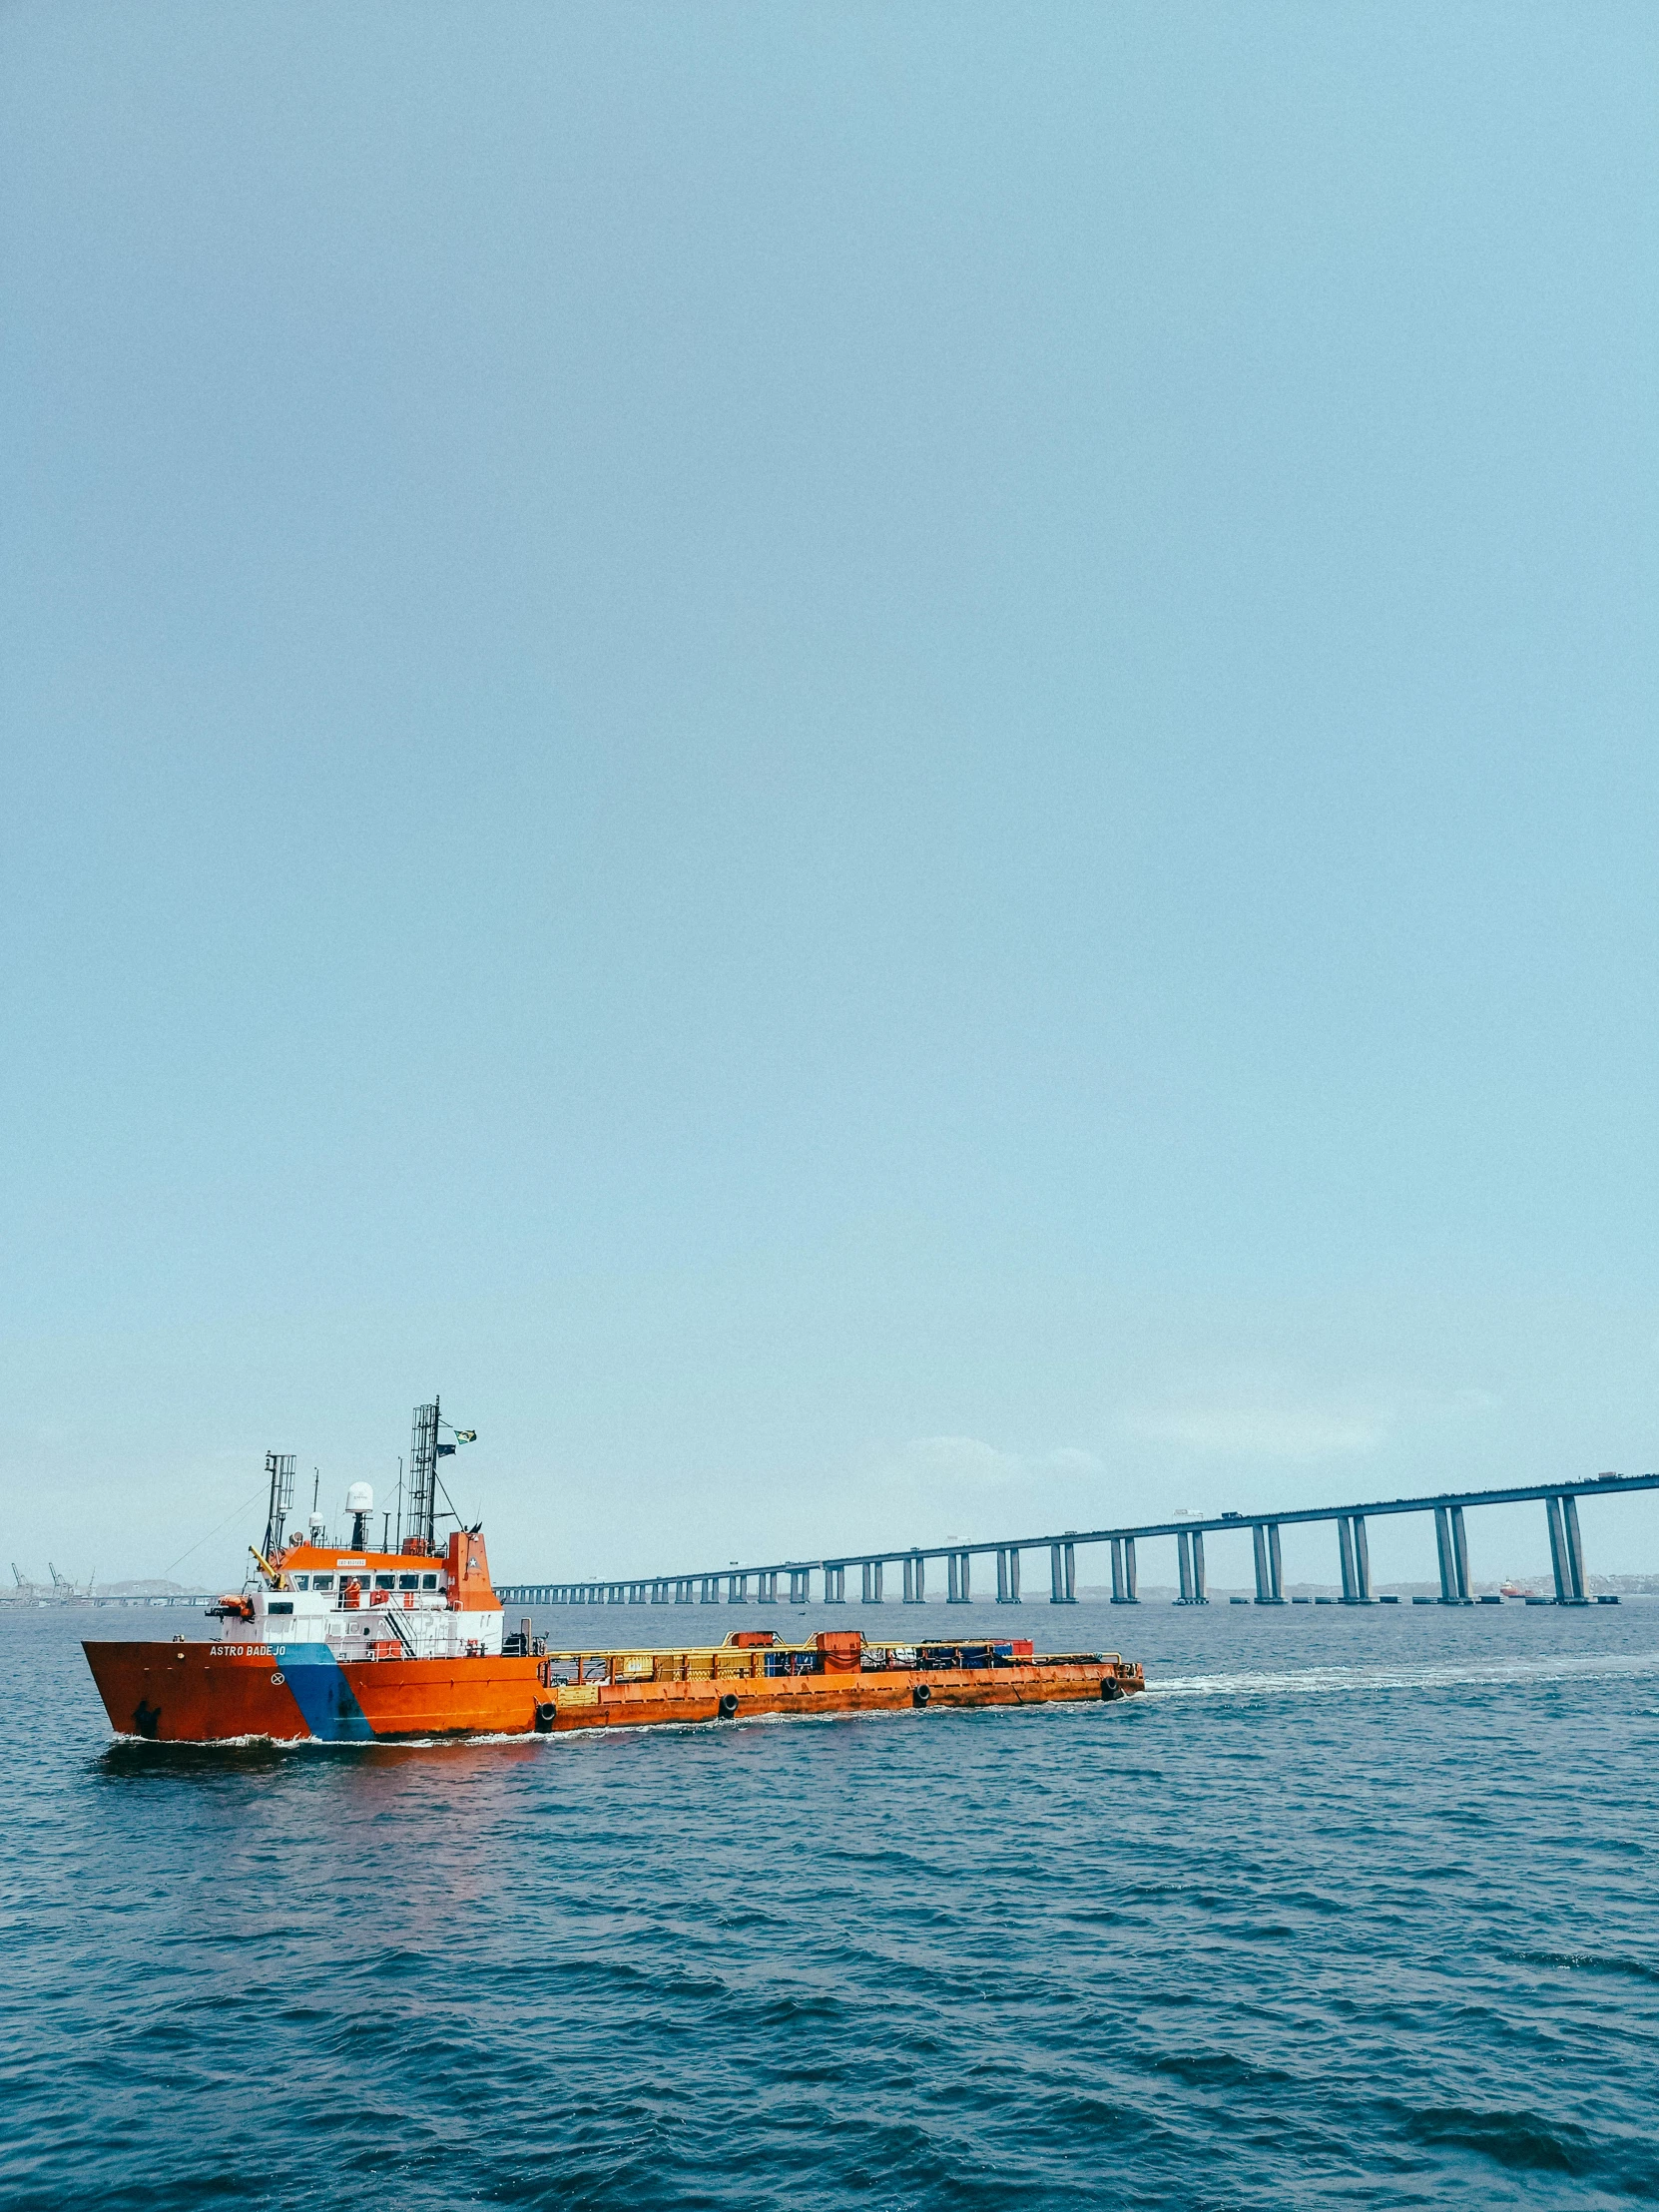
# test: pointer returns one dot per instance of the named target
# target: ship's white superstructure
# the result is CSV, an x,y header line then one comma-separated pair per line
x,y
421,1622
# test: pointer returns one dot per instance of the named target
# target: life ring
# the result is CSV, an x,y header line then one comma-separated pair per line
x,y
546,1714
728,1706
922,1693
1111,1689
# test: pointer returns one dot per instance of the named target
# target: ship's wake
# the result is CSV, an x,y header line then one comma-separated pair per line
x,y
1363,1680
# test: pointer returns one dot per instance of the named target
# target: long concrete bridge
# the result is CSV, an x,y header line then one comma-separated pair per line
x,y
703,1586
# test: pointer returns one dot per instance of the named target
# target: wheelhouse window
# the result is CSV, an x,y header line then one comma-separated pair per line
x,y
408,1583
385,1581
322,1581
280,1605
428,1581
301,1582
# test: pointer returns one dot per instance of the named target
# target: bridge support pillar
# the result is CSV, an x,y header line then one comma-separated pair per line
x,y
1189,1561
1008,1576
916,1579
1356,1565
871,1592
1460,1557
1557,1550
1566,1550
709,1592
1452,1547
659,1593
683,1590
801,1585
1269,1569
1062,1574
1575,1550
956,1577
766,1587
835,1585
737,1589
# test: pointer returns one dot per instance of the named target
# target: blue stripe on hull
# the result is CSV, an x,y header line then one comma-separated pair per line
x,y
326,1701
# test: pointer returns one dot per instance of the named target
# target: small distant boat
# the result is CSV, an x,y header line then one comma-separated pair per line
x,y
1513,1588
342,1643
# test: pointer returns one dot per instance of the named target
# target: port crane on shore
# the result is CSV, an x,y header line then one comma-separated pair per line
x,y
61,1590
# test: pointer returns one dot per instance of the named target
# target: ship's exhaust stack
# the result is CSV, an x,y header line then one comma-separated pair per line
x,y
279,1465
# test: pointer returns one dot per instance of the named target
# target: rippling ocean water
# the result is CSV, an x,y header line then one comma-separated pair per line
x,y
1352,1909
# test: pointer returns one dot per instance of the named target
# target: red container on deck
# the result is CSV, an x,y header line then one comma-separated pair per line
x,y
841,1648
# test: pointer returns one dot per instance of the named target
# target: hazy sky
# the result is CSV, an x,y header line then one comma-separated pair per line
x,y
889,770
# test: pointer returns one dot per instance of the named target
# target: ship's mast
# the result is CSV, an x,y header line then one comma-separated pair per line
x,y
424,1477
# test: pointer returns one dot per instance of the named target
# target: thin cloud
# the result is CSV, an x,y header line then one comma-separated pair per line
x,y
1260,1432
969,1462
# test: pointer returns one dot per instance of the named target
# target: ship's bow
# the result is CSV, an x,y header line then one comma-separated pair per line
x,y
178,1693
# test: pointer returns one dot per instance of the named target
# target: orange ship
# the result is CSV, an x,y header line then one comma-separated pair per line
x,y
346,1644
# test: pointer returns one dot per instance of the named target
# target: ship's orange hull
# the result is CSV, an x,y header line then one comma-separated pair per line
x,y
211,1693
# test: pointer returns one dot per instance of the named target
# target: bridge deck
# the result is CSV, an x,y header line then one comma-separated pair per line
x,y
1442,1503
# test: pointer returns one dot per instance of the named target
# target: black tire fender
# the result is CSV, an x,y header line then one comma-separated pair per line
x,y
1111,1689
921,1694
728,1707
546,1714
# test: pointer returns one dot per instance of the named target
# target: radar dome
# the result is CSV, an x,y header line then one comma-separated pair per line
x,y
361,1498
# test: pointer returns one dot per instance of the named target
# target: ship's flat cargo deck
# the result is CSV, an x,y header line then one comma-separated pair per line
x,y
633,1704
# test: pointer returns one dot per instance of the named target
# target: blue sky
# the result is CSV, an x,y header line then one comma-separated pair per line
x,y
889,771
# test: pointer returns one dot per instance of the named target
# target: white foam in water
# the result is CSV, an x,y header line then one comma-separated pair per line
x,y
1338,1681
